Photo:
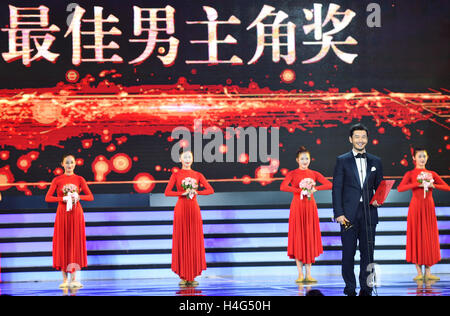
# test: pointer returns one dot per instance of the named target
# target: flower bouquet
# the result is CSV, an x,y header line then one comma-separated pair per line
x,y
189,184
426,179
71,196
307,185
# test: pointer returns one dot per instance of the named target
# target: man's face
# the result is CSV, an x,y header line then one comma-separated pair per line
x,y
359,140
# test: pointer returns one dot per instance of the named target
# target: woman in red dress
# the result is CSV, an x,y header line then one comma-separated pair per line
x,y
188,248
422,235
304,238
69,237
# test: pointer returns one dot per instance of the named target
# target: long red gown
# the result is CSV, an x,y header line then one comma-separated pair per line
x,y
69,236
188,247
304,237
422,235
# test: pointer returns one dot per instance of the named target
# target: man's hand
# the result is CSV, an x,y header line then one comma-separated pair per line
x,y
342,220
375,203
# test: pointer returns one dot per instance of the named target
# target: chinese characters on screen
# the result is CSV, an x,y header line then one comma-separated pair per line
x,y
31,35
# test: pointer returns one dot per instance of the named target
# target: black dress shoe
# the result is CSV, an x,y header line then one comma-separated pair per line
x,y
365,293
350,293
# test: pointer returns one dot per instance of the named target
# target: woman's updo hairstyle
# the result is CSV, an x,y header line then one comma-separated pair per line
x,y
301,150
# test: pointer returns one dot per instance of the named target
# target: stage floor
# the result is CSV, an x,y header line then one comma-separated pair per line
x,y
391,285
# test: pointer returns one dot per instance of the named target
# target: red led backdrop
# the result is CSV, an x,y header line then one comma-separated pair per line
x,y
114,106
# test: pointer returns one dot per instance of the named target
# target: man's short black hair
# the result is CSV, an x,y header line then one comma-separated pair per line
x,y
358,127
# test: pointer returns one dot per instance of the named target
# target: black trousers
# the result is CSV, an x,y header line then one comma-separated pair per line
x,y
350,238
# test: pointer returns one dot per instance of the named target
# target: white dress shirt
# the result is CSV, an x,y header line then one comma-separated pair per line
x,y
361,164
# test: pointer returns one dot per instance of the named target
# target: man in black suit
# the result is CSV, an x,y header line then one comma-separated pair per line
x,y
357,175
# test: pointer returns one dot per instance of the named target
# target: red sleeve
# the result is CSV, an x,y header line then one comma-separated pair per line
x,y
87,196
170,185
208,188
50,198
439,183
406,183
286,184
326,184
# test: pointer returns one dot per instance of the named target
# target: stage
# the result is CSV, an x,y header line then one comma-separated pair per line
x,y
329,285
129,249
231,84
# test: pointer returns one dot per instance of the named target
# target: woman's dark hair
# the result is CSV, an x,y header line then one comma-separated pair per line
x,y
301,150
68,155
182,151
417,149
358,127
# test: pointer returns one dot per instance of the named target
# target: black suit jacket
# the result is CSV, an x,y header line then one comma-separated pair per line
x,y
347,190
